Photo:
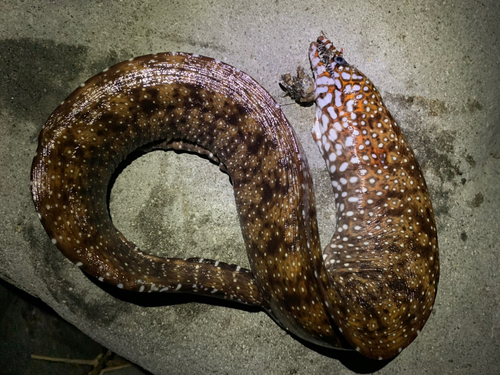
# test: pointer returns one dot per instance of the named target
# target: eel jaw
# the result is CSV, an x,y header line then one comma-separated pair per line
x,y
325,57
327,51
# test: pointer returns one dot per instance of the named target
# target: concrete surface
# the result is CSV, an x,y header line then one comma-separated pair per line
x,y
437,66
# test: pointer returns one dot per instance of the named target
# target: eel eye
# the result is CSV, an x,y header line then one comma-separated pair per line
x,y
339,60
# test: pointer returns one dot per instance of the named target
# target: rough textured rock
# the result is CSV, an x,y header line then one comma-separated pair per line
x,y
437,67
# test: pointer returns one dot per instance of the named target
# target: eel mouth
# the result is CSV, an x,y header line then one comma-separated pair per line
x,y
326,50
330,57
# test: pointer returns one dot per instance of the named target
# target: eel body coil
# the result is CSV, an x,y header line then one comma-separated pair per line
x,y
371,289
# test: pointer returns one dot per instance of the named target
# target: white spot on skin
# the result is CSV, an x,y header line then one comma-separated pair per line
x,y
325,142
322,103
338,100
332,135
315,61
321,90
332,113
324,121
325,80
349,105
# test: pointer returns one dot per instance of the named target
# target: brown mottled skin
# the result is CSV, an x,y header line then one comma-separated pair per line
x,y
382,262
182,101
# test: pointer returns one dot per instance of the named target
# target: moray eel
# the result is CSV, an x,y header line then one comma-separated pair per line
x,y
371,289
